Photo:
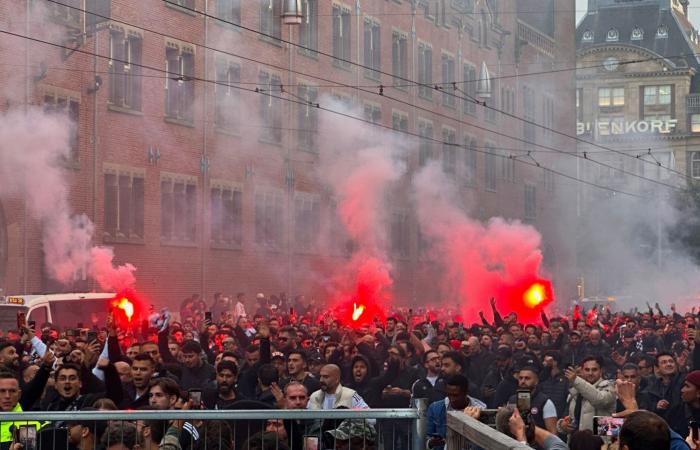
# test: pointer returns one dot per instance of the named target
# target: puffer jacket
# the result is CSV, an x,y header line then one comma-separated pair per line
x,y
598,400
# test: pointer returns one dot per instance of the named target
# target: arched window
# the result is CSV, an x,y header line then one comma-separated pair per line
x,y
587,36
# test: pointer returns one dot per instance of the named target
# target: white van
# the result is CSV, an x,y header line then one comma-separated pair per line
x,y
64,310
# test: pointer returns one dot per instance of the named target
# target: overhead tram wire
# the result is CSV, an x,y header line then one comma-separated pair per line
x,y
342,114
303,47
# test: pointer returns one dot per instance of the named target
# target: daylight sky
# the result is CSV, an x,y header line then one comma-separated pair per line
x,y
694,11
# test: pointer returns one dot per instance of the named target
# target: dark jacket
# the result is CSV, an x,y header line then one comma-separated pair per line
x,y
671,392
370,389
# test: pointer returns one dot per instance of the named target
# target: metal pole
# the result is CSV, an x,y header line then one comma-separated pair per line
x,y
420,424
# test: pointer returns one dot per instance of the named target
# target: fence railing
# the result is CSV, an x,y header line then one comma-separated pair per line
x,y
466,432
269,429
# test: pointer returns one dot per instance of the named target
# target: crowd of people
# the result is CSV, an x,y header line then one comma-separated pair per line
x,y
552,385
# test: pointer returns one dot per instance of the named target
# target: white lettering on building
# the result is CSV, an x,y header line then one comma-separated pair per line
x,y
606,127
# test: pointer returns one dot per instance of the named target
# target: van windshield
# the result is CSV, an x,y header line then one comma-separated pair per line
x,y
68,314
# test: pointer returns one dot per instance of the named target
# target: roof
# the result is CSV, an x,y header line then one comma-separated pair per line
x,y
662,31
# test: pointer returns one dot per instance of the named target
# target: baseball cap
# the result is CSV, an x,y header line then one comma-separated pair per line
x,y
277,355
349,429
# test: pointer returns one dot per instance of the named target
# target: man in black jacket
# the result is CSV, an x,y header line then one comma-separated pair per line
x,y
136,392
665,393
431,386
196,372
68,384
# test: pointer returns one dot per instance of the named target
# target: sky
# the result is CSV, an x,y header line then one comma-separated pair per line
x,y
694,11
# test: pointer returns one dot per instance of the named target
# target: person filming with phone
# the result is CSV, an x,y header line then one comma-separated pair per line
x,y
541,409
589,396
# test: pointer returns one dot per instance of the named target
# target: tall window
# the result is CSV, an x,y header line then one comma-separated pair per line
x,y
490,169
270,18
469,86
425,145
125,70
308,29
372,112
399,121
269,218
308,118
470,149
547,115
229,10
695,123
425,70
529,130
271,108
448,77
226,216
70,106
579,105
449,151
399,57
342,35
658,102
695,164
530,201
507,100
179,86
178,210
399,232
507,167
124,205
611,98
372,46
228,77
307,221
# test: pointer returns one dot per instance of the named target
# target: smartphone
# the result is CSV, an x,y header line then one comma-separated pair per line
x,y
693,425
196,398
291,311
26,435
607,426
91,336
310,442
32,324
523,402
21,320
207,317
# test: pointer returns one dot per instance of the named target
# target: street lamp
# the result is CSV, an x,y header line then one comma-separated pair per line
x,y
291,12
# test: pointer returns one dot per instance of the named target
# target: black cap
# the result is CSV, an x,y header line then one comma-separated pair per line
x,y
504,353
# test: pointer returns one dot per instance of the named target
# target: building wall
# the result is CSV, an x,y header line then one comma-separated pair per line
x,y
115,141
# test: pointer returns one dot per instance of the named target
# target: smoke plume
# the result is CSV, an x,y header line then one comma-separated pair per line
x,y
500,259
33,145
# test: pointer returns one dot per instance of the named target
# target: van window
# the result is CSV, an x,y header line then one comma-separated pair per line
x,y
69,313
8,316
38,315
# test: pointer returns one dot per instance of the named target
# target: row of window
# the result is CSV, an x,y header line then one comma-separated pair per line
x,y
637,34
124,216
661,95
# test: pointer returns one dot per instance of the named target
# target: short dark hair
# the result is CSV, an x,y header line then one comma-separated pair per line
x,y
5,375
595,358
299,352
288,329
456,357
252,348
227,365
120,432
158,429
630,366
644,429
145,357
425,355
458,380
191,346
66,366
268,374
167,385
660,354
555,354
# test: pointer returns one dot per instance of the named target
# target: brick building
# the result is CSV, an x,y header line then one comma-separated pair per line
x,y
206,187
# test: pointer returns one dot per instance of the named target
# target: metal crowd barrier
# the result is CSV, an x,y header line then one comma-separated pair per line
x,y
380,429
464,432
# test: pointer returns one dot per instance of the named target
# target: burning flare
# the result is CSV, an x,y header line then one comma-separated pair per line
x,y
357,311
125,305
534,296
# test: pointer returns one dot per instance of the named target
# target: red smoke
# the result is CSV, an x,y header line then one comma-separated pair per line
x,y
499,259
368,291
126,307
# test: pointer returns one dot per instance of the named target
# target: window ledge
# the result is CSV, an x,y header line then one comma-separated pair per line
x,y
177,243
276,41
370,75
313,54
176,7
227,131
228,24
266,140
109,239
176,121
123,110
491,190
342,65
225,246
425,97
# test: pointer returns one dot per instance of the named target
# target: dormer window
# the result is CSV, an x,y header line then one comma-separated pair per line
x,y
662,32
587,36
613,35
637,34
